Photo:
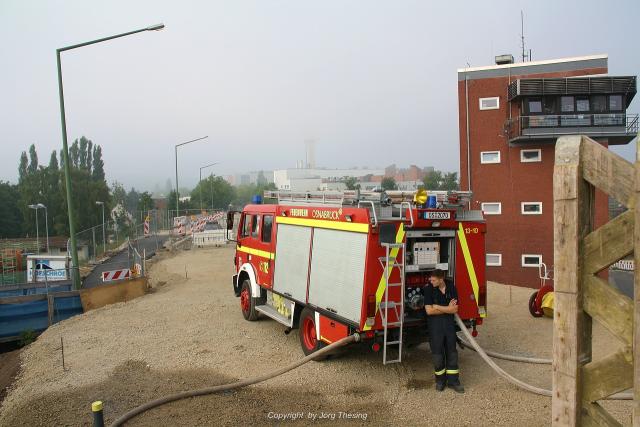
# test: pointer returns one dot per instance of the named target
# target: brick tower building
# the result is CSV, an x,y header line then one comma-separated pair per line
x,y
510,116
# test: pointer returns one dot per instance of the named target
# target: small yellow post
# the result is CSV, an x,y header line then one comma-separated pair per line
x,y
98,416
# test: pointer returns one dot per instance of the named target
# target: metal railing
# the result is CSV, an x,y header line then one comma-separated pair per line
x,y
39,278
572,124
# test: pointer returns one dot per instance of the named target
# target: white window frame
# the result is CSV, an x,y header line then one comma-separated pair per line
x,y
496,98
530,265
523,160
493,264
522,205
491,203
489,162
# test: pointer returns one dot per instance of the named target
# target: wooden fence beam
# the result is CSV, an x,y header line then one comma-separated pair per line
x,y
609,243
607,376
610,307
595,415
609,172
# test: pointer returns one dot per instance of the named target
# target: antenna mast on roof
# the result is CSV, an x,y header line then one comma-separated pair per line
x,y
524,55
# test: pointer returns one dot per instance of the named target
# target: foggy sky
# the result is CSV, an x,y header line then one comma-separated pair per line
x,y
372,82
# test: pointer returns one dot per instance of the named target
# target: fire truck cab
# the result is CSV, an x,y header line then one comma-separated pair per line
x,y
336,263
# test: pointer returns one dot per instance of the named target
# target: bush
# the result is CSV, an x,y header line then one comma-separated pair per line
x,y
27,337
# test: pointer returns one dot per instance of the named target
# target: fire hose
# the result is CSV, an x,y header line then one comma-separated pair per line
x,y
232,386
472,344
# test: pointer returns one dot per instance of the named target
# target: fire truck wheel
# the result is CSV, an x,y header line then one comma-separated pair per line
x,y
248,303
309,341
535,311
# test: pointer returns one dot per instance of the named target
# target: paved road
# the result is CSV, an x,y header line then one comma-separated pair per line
x,y
121,260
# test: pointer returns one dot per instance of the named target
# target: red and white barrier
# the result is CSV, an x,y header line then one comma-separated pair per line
x,y
113,275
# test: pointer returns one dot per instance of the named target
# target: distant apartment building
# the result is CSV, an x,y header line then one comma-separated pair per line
x,y
510,116
254,177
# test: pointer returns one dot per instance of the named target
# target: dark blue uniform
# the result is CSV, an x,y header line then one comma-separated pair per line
x,y
442,335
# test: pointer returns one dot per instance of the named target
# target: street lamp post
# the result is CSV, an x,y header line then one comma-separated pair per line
x,y
200,181
104,238
65,149
176,156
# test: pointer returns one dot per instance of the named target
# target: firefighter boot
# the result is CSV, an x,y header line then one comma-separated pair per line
x,y
453,381
439,371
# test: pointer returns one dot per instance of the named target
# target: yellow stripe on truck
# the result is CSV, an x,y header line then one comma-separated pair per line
x,y
382,284
256,252
356,227
469,263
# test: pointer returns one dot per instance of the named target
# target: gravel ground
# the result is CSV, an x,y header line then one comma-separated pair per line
x,y
189,333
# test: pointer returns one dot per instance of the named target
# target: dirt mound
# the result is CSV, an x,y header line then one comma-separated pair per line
x,y
9,368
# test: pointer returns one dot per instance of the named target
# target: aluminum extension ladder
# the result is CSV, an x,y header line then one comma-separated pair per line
x,y
397,307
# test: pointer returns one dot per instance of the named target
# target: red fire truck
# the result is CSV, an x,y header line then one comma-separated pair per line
x,y
337,263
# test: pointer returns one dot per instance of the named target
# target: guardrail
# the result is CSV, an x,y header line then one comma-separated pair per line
x,y
572,124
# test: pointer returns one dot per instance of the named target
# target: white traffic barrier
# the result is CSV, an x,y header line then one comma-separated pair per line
x,y
209,238
113,275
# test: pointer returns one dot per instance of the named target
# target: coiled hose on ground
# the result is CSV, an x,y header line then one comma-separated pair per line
x,y
472,344
225,387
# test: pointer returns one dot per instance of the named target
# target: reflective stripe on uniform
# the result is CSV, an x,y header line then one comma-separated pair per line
x,y
256,252
469,263
393,254
453,371
440,372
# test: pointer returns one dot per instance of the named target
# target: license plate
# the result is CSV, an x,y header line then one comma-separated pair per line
x,y
438,215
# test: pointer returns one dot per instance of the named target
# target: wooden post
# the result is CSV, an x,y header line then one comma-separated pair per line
x,y
572,213
51,308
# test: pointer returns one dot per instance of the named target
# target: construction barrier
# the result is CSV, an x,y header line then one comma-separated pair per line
x,y
209,238
113,275
188,225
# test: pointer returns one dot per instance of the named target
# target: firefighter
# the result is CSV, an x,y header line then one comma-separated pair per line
x,y
441,304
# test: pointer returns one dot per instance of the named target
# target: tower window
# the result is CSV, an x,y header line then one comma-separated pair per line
x,y
490,103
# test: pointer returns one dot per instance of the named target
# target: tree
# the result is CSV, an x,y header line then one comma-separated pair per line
x,y
33,160
145,202
388,183
216,193
351,183
74,154
97,173
22,168
450,181
10,215
433,180
118,194
244,193
83,153
131,201
436,180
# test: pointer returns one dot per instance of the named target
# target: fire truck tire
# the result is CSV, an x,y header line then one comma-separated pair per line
x,y
535,311
309,341
247,302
